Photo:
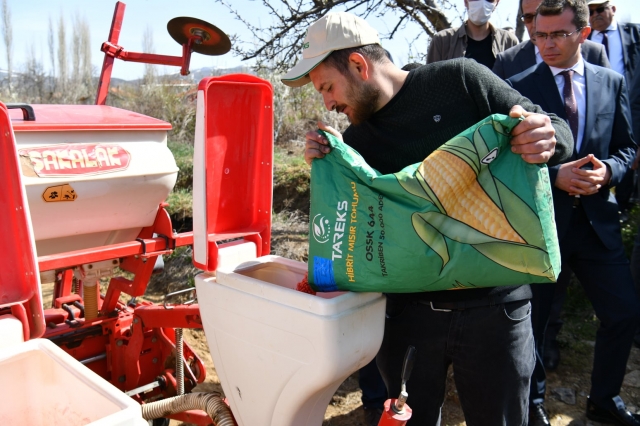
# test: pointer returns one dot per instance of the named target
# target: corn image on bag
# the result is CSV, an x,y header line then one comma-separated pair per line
x,y
472,214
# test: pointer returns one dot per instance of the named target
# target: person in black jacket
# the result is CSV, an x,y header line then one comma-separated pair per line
x,y
398,118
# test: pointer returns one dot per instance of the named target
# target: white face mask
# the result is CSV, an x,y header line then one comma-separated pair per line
x,y
480,11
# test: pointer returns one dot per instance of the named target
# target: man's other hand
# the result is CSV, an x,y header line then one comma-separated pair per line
x,y
317,145
534,138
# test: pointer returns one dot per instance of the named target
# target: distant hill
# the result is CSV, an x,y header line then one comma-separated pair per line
x,y
194,77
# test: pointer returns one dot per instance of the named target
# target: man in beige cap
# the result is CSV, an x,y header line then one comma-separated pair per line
x,y
398,118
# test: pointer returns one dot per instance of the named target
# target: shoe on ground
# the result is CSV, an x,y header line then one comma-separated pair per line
x,y
615,413
372,416
538,416
551,356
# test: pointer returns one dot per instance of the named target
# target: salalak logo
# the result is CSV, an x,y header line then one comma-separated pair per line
x,y
320,229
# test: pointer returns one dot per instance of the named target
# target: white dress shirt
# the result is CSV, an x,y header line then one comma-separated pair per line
x,y
616,58
579,91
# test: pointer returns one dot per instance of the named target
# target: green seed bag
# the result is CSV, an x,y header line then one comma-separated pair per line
x,y
472,214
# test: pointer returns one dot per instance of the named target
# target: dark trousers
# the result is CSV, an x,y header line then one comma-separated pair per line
x,y
555,321
544,302
490,348
374,391
635,262
635,255
606,278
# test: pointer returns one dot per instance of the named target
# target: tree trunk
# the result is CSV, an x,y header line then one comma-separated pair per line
x,y
7,34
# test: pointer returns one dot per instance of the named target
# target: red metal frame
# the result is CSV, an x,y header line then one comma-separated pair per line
x,y
238,163
133,344
19,283
107,65
113,51
129,346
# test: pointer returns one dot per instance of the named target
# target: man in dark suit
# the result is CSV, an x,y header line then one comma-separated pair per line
x,y
595,103
509,63
525,55
622,43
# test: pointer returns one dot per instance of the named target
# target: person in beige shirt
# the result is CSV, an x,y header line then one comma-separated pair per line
x,y
476,38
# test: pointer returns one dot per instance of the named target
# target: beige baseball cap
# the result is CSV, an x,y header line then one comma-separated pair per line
x,y
599,2
334,31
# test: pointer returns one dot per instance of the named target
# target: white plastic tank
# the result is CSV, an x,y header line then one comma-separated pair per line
x,y
281,354
43,385
94,175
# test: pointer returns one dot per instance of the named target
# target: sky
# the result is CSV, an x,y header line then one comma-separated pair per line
x,y
30,23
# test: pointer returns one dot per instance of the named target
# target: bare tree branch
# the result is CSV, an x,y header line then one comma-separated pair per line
x,y
276,46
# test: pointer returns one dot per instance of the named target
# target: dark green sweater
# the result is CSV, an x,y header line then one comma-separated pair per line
x,y
437,102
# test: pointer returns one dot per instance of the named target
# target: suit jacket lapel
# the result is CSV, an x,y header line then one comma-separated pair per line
x,y
593,89
549,89
528,58
625,37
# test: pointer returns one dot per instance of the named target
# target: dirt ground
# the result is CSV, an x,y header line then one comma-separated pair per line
x,y
568,385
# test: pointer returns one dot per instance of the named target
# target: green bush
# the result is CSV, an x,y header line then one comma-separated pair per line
x,y
630,228
183,154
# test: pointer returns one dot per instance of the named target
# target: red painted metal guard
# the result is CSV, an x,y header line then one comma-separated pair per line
x,y
131,343
233,174
19,283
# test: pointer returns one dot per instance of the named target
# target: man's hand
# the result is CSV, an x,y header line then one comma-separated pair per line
x,y
534,138
317,145
576,181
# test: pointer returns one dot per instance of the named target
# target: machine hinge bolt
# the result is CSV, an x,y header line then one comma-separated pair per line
x,y
155,360
154,339
119,342
121,379
136,320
